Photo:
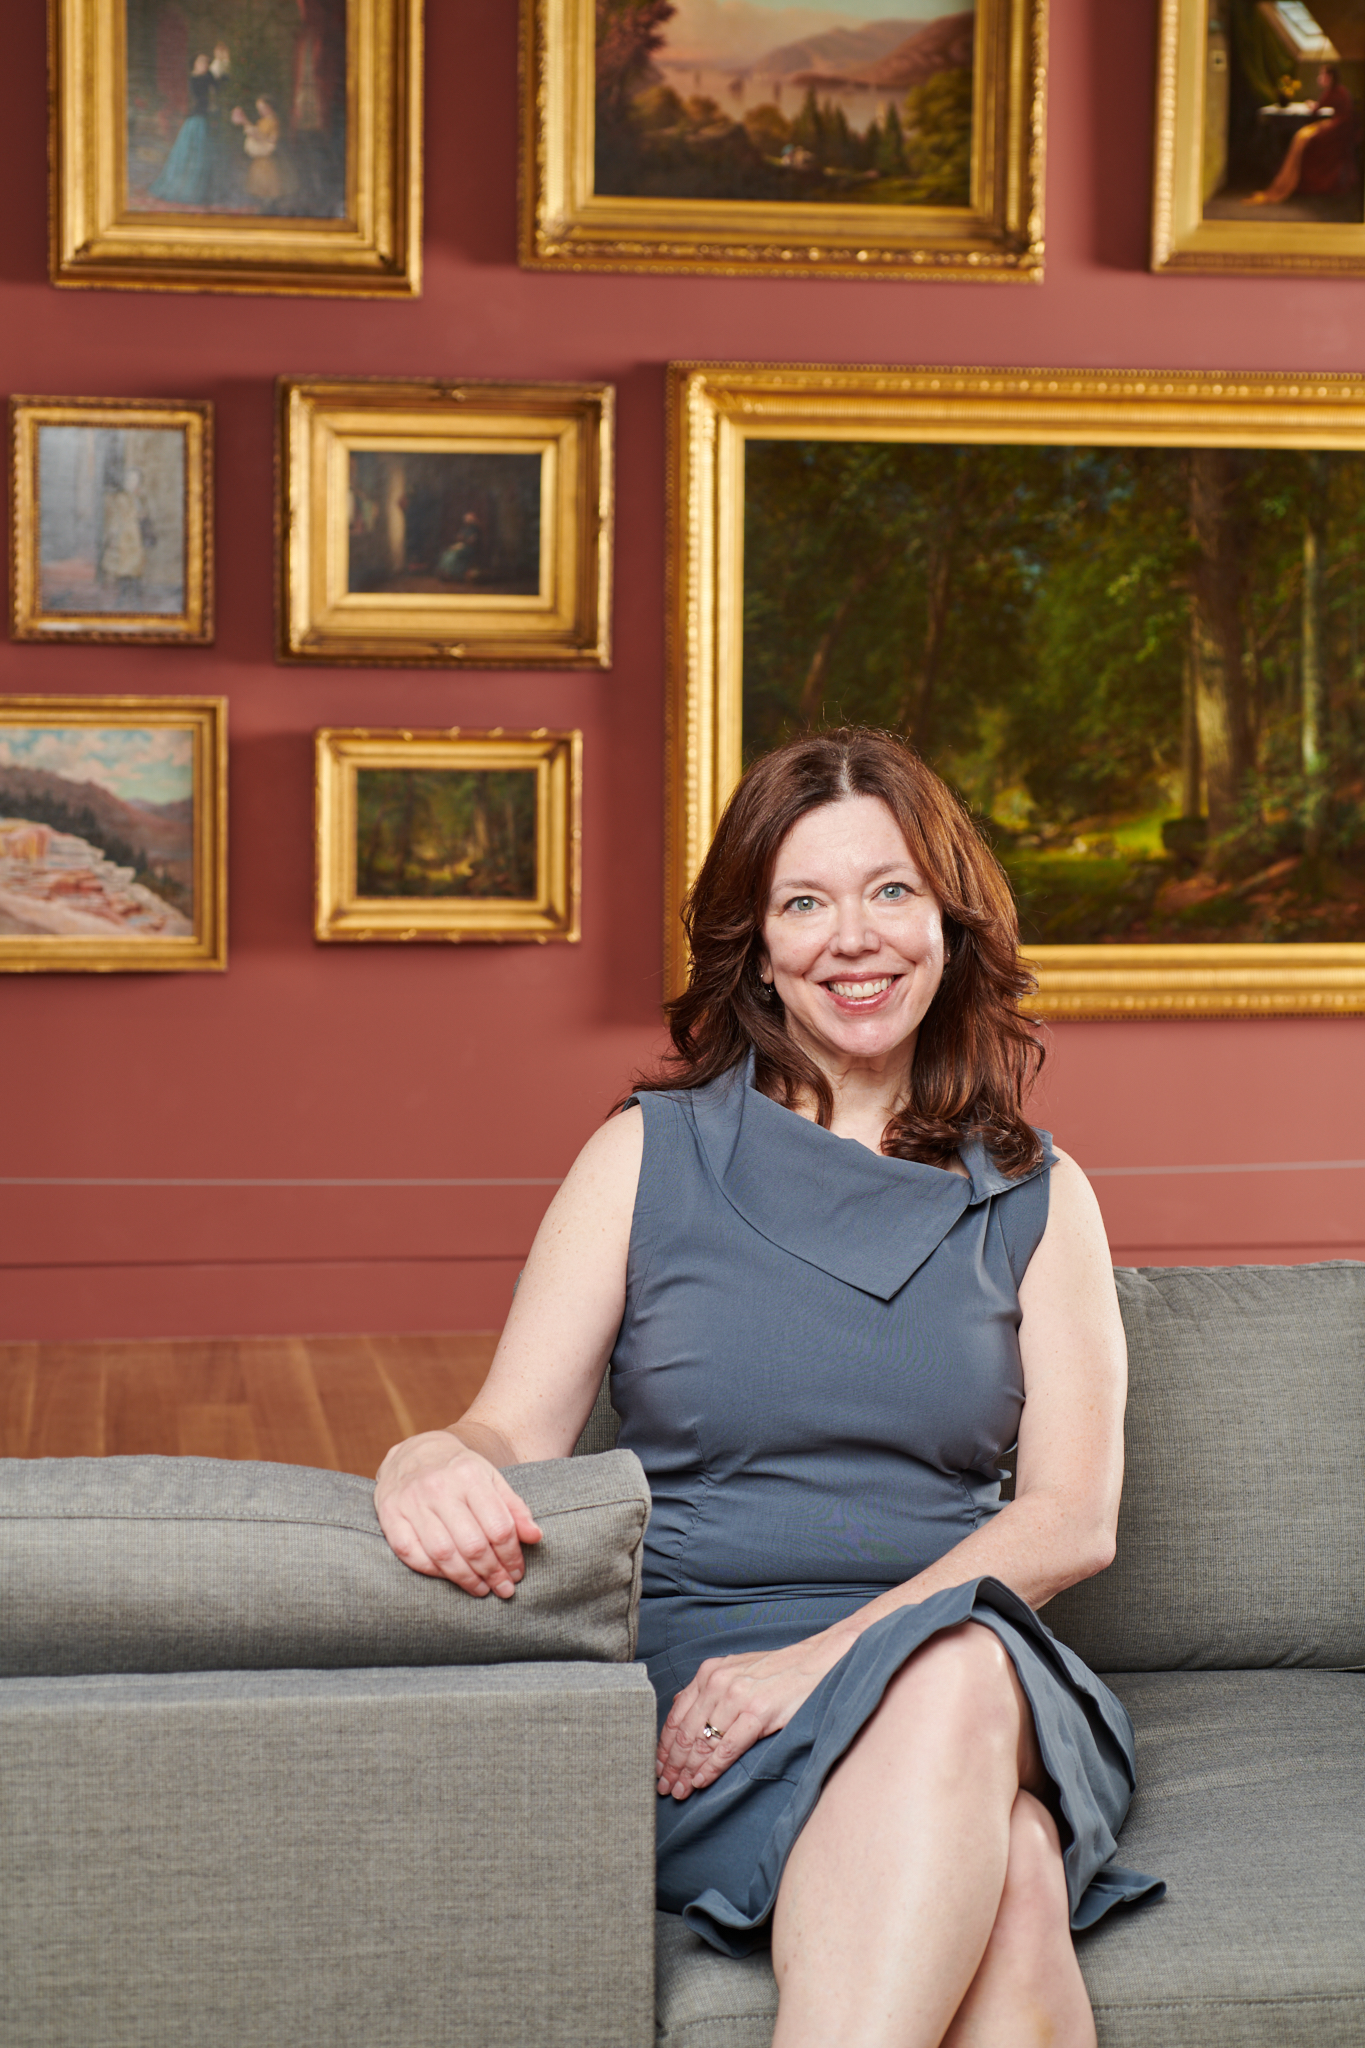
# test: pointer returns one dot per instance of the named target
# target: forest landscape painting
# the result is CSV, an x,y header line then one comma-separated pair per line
x,y
237,107
97,832
763,101
1143,668
446,832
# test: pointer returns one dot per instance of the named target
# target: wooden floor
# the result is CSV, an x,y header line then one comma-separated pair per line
x,y
337,1402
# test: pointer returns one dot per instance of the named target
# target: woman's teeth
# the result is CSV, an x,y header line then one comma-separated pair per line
x,y
861,991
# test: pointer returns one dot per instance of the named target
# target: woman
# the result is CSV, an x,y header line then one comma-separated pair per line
x,y
184,178
1321,157
837,1274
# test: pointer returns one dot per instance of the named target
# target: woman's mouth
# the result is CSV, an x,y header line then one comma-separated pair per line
x,y
851,994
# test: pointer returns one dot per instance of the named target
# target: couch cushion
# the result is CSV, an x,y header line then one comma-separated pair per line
x,y
194,1564
1241,1540
1251,1804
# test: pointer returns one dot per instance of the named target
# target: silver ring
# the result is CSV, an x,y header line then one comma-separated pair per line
x,y
712,1734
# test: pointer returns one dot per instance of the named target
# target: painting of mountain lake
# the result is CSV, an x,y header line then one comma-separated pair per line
x,y
111,520
97,832
237,107
444,523
760,100
433,832
1143,668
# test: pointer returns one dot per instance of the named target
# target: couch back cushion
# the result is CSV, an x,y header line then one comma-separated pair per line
x,y
198,1564
1241,1536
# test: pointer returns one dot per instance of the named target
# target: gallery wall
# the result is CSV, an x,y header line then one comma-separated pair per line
x,y
238,1153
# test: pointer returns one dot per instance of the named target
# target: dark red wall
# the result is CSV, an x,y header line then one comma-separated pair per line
x,y
339,1064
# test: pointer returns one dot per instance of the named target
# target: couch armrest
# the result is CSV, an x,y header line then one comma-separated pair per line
x,y
360,1857
203,1564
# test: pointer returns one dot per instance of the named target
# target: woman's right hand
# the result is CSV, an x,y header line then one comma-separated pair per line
x,y
447,1511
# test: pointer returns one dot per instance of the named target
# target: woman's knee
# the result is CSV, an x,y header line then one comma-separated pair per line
x,y
962,1685
1034,1903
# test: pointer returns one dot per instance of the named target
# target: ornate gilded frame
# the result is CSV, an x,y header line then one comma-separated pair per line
x,y
1182,240
95,239
193,625
206,717
567,225
716,408
566,625
553,913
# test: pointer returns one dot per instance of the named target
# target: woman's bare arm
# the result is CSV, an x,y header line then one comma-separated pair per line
x,y
441,1498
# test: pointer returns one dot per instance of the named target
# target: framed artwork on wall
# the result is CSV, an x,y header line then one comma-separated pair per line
x,y
439,524
237,145
449,835
752,138
1259,138
113,834
1122,613
111,520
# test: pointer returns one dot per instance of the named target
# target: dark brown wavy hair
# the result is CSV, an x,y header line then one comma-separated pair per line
x,y
975,1054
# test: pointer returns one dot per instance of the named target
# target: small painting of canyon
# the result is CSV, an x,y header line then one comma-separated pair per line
x,y
97,831
759,100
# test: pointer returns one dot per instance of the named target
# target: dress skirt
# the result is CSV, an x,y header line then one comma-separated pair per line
x,y
721,1852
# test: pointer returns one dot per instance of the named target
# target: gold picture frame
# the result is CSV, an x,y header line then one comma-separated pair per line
x,y
519,839
717,410
444,524
993,229
1227,84
162,181
93,559
113,834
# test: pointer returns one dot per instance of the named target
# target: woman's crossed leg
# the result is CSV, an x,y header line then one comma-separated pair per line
x,y
924,1901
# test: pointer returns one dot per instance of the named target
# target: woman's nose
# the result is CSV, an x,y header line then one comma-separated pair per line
x,y
852,933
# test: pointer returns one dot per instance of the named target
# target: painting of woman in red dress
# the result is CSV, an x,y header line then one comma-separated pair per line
x,y
1321,157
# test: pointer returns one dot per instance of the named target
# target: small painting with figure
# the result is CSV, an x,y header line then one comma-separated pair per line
x,y
1143,668
445,523
97,832
111,519
431,832
237,107
1284,89
760,100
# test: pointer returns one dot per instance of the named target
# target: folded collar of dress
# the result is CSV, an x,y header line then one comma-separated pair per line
x,y
858,1215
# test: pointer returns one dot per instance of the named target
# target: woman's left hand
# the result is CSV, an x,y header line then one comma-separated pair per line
x,y
743,1698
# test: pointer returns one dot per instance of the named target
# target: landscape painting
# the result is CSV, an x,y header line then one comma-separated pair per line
x,y
1143,668
444,523
236,107
446,832
111,520
1284,86
764,101
97,832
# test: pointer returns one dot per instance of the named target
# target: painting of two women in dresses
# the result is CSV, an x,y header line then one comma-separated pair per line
x,y
456,524
762,100
237,107
1283,94
1143,669
111,521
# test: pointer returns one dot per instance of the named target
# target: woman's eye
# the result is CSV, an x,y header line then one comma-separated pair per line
x,y
802,903
894,892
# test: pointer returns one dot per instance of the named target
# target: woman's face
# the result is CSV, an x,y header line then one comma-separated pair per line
x,y
853,936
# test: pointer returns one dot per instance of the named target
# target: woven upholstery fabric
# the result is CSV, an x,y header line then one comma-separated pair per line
x,y
366,1859
1251,1804
601,1428
202,1564
1241,1541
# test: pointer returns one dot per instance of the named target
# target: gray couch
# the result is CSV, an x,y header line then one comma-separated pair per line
x,y
263,1788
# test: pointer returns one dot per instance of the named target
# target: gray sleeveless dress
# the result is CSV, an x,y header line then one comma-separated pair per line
x,y
818,1368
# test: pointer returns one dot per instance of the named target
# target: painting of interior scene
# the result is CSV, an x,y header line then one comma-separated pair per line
x,y
444,523
96,832
428,832
111,520
1142,668
761,100
237,107
1284,87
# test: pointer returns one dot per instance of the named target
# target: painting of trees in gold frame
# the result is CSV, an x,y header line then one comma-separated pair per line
x,y
1123,614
